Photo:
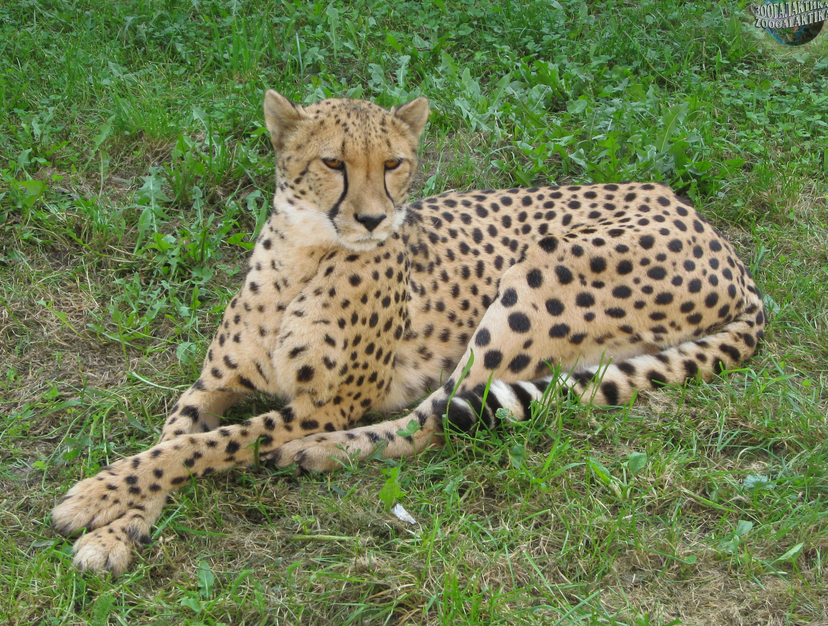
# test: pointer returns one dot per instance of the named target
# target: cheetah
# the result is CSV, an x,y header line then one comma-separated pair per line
x,y
476,301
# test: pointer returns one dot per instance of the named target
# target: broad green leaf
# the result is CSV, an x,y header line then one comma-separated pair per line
x,y
412,427
102,609
191,602
392,41
206,579
791,554
105,132
186,352
391,490
32,190
636,462
518,454
671,119
576,106
239,240
757,481
743,527
601,472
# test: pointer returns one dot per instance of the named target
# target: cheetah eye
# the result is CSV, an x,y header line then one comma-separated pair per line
x,y
392,164
334,164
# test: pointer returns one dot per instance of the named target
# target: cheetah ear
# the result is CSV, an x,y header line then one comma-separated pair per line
x,y
281,117
414,114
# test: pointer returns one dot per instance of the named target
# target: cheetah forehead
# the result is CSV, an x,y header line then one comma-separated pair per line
x,y
352,129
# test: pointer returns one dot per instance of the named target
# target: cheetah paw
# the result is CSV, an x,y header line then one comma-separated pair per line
x,y
109,548
92,503
310,454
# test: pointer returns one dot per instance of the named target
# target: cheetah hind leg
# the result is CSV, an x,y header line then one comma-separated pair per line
x,y
613,384
417,431
603,385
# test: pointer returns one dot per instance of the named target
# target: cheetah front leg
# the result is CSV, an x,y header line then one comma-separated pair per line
x,y
236,364
199,410
120,504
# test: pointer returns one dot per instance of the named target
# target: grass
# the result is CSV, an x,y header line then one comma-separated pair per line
x,y
134,171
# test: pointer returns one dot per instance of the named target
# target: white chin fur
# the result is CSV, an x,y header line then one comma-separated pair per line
x,y
364,244
316,229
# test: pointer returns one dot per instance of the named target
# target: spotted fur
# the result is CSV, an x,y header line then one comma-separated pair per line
x,y
355,301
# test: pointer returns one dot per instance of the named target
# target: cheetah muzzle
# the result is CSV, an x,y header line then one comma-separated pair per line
x,y
356,301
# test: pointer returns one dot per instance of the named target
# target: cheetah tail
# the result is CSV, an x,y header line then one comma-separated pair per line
x,y
615,384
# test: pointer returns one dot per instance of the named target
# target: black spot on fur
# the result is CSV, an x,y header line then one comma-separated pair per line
x,y
656,378
610,390
518,364
305,374
519,322
509,298
564,274
523,396
492,359
584,300
559,330
534,279
627,367
732,352
554,307
549,244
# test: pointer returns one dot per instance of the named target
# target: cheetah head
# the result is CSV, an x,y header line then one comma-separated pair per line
x,y
343,167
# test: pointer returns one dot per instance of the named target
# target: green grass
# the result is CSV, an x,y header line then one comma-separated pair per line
x,y
134,170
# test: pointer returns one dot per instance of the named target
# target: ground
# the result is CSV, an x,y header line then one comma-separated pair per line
x,y
134,172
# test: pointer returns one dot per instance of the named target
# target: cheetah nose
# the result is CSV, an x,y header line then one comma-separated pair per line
x,y
369,221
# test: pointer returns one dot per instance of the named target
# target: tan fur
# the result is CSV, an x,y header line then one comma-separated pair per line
x,y
355,301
